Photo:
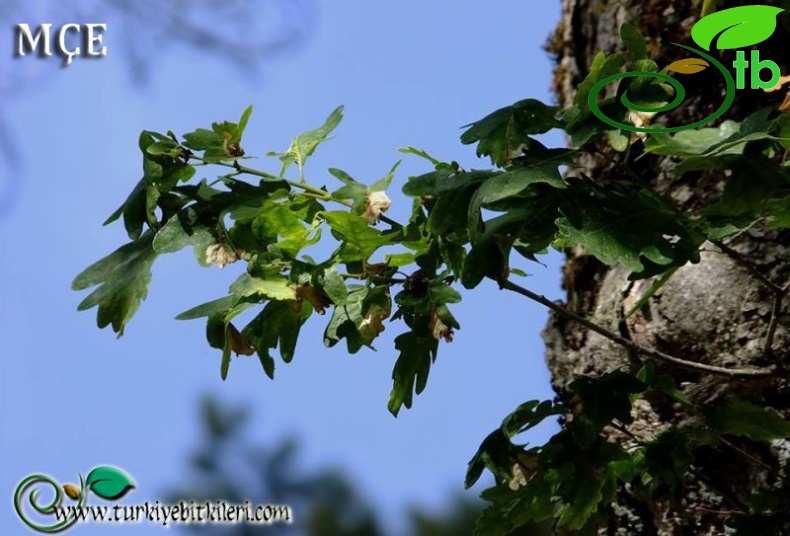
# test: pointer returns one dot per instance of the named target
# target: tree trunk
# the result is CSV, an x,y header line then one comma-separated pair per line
x,y
716,312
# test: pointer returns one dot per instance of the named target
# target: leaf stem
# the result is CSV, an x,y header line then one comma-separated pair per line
x,y
631,345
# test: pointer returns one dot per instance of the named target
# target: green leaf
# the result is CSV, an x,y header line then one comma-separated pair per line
x,y
607,397
443,181
737,27
168,148
691,142
494,453
384,182
133,211
636,229
515,182
334,286
355,230
442,293
635,42
109,482
410,375
221,143
664,383
617,140
347,319
582,500
399,260
487,258
741,418
123,278
602,67
212,308
353,190
242,125
655,286
669,456
528,415
420,153
777,212
501,134
184,229
274,288
278,325
161,173
454,256
753,191
285,218
511,510
305,144
202,139
359,319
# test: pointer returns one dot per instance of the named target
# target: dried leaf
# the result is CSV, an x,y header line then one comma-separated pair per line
x,y
318,299
238,342
783,80
439,329
373,323
220,255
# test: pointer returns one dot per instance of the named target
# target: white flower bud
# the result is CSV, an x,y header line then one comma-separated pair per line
x,y
220,255
378,202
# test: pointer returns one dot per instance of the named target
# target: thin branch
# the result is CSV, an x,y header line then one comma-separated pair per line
x,y
318,193
725,513
742,452
631,345
776,310
737,257
779,293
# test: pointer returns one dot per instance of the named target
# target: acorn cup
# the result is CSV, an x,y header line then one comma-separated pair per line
x,y
72,491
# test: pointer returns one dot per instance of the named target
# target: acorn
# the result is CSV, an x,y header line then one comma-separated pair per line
x,y
72,491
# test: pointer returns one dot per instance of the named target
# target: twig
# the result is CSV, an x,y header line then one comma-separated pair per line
x,y
742,452
776,310
725,513
317,193
631,345
779,293
737,257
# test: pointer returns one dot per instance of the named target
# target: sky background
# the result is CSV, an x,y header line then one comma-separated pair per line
x,y
73,397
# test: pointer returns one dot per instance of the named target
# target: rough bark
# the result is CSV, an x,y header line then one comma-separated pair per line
x,y
716,312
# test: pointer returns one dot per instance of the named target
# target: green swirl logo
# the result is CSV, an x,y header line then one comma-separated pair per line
x,y
107,482
735,28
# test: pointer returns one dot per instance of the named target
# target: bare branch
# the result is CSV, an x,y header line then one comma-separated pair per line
x,y
631,345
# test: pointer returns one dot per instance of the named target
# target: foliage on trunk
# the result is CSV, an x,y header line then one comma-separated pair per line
x,y
714,312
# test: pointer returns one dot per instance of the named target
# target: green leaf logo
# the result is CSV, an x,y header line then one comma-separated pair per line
x,y
109,482
736,27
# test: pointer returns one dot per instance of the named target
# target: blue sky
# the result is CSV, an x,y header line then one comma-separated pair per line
x,y
73,397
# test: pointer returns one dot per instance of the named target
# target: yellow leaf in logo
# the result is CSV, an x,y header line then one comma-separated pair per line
x,y
688,66
72,491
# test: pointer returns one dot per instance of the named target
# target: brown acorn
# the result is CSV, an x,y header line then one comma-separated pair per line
x,y
72,491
